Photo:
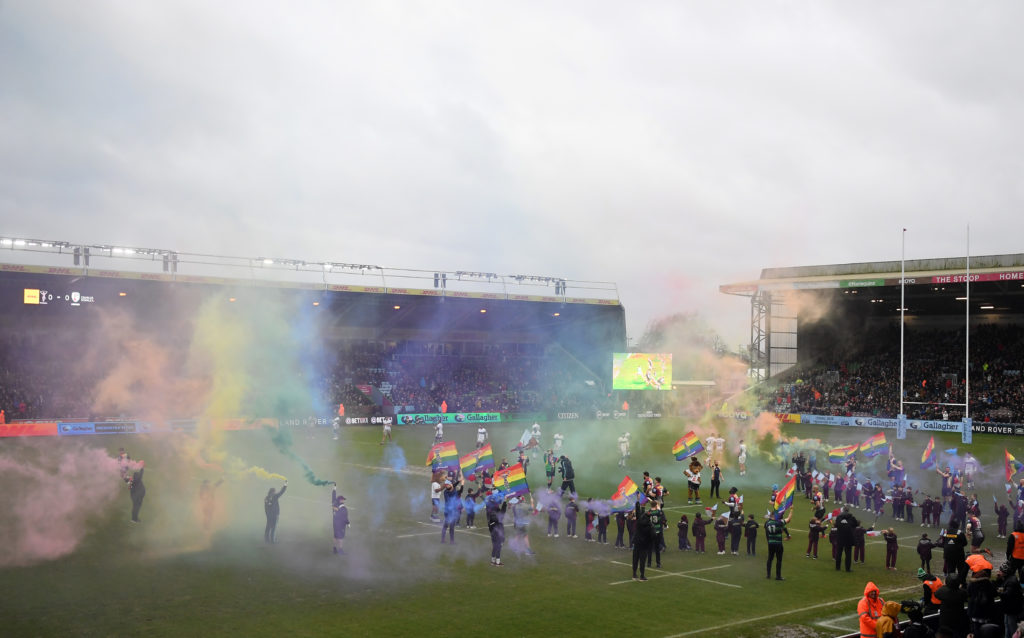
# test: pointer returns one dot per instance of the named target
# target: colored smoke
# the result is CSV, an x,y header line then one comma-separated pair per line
x,y
51,498
282,440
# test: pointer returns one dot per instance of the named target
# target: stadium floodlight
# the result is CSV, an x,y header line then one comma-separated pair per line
x,y
19,242
268,262
327,266
5,242
961,298
987,307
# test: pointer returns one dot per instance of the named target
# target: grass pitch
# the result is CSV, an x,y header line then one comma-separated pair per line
x,y
165,577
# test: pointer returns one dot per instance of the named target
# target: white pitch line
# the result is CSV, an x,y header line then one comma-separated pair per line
x,y
683,507
404,470
461,531
838,619
779,614
667,574
837,627
714,582
419,534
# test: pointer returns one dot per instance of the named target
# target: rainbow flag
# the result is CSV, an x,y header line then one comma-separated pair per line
x,y
875,445
928,456
625,497
443,455
468,465
841,454
484,459
1012,465
511,481
784,499
687,446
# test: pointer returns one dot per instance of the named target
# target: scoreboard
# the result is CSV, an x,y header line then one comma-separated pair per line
x,y
72,298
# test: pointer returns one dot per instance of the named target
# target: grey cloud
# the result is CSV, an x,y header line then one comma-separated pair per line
x,y
667,147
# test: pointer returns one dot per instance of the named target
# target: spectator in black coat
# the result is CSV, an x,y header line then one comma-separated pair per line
x,y
844,525
272,509
643,540
137,491
952,597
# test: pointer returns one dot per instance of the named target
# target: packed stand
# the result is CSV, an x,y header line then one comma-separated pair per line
x,y
482,377
867,383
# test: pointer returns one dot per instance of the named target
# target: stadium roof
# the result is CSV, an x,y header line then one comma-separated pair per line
x,y
358,312
933,286
122,275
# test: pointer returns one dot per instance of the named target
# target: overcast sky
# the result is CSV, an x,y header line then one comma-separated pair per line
x,y
668,147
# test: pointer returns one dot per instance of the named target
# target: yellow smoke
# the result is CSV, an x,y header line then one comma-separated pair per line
x,y
262,473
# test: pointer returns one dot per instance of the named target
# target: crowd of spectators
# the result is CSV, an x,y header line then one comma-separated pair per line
x,y
33,383
867,382
420,377
45,377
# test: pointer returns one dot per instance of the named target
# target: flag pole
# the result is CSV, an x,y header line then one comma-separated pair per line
x,y
903,286
967,333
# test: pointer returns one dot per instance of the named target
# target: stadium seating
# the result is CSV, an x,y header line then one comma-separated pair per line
x,y
865,381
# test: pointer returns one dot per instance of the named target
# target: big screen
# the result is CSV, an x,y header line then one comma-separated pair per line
x,y
641,371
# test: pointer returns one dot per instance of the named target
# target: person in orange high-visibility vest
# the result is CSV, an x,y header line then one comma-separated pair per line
x,y
868,610
3,418
931,584
1015,548
444,407
625,406
341,409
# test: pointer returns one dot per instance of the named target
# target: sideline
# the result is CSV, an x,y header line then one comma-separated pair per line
x,y
844,628
781,613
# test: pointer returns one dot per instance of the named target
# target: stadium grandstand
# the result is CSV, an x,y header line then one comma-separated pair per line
x,y
396,341
826,340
